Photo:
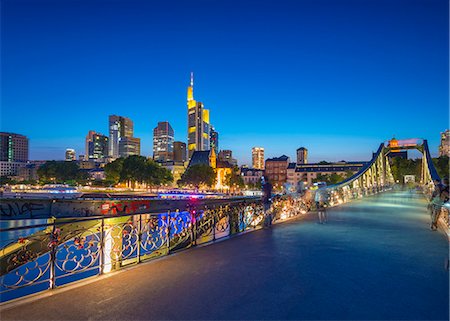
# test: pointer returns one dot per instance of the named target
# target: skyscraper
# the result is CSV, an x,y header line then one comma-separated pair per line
x,y
119,128
258,157
444,147
70,155
13,153
179,152
302,156
198,122
98,147
214,140
163,142
129,146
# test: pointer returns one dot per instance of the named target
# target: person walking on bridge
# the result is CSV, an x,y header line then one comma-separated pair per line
x,y
438,198
320,198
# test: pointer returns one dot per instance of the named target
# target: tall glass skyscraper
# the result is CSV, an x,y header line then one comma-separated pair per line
x,y
198,123
119,128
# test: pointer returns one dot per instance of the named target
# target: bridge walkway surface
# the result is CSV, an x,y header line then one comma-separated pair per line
x,y
375,259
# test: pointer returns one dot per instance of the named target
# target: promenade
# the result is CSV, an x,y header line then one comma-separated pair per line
x,y
375,259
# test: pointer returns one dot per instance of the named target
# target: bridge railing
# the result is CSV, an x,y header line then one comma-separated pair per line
x,y
41,255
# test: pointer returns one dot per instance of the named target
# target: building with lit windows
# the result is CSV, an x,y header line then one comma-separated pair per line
x,y
198,123
163,142
276,170
214,140
258,157
129,146
119,128
97,147
308,173
302,155
444,147
70,155
13,153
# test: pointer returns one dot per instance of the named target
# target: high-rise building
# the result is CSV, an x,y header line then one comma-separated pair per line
x,y
97,147
302,156
179,152
129,146
214,140
444,147
70,155
119,127
198,123
163,142
258,157
13,153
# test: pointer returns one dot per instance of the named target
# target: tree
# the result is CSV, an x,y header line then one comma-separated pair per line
x,y
59,172
441,164
137,169
234,179
198,175
113,170
401,167
330,179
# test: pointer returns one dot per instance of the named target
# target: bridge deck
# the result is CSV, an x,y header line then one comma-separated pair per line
x,y
375,259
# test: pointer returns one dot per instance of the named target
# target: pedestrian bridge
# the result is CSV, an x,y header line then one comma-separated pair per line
x,y
375,259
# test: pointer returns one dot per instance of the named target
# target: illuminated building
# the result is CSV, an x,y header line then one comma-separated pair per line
x,y
309,172
129,146
198,123
258,157
226,155
208,157
70,155
214,140
13,153
252,176
119,128
276,170
444,147
179,152
163,142
97,147
302,155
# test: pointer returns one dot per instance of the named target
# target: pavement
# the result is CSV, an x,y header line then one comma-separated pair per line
x,y
375,259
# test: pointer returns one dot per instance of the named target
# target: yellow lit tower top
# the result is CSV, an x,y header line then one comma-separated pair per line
x,y
190,93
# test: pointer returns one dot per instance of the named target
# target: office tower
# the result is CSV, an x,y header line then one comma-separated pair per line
x,y
13,153
179,152
302,156
163,142
214,140
70,155
129,146
198,123
258,157
444,147
98,147
119,127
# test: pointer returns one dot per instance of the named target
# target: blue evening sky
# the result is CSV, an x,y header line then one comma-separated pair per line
x,y
335,76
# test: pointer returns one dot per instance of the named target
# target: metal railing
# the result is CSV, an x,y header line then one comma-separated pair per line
x,y
46,255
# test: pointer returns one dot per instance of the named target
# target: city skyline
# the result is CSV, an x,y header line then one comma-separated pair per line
x,y
327,75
